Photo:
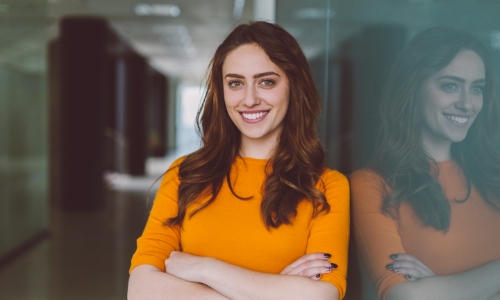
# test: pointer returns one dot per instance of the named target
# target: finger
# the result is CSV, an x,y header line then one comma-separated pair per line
x,y
316,277
310,264
314,271
412,273
304,258
311,256
410,278
407,257
418,270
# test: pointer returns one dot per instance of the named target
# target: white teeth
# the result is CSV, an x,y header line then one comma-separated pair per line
x,y
254,115
459,120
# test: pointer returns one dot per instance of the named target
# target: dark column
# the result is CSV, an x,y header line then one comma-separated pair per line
x,y
157,115
136,114
83,45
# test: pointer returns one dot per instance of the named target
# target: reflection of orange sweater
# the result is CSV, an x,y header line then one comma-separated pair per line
x,y
232,230
472,240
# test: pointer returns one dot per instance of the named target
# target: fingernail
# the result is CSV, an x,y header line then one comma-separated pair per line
x,y
408,276
390,266
394,256
334,266
395,270
327,255
318,276
328,269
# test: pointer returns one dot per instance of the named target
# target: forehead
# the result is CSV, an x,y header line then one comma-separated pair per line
x,y
248,59
466,64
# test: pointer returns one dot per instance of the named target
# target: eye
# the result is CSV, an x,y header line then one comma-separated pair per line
x,y
267,82
449,87
477,90
235,83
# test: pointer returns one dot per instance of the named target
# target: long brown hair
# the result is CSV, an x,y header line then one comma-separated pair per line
x,y
401,158
298,160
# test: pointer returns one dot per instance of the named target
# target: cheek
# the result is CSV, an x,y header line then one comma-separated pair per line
x,y
282,98
436,101
479,104
230,98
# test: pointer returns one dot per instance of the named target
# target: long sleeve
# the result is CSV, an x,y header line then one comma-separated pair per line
x,y
158,240
375,234
330,231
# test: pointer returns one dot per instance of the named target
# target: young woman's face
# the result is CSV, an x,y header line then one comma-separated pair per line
x,y
452,99
256,93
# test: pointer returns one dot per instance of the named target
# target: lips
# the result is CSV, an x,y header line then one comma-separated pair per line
x,y
254,116
457,120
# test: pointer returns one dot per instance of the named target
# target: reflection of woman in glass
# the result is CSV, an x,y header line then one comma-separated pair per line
x,y
255,205
427,213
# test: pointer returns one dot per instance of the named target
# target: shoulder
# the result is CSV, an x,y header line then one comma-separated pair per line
x,y
368,189
366,177
172,173
335,186
334,178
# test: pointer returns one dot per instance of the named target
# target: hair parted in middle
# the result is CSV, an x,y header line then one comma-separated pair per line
x,y
298,158
400,156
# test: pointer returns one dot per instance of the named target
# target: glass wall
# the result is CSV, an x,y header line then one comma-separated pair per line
x,y
23,123
351,47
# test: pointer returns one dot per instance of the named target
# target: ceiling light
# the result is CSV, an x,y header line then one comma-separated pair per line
x,y
313,13
164,10
238,9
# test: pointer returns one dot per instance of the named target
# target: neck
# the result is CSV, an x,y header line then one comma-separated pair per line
x,y
257,148
438,151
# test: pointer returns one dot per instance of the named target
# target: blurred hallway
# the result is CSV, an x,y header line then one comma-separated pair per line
x,y
87,254
139,88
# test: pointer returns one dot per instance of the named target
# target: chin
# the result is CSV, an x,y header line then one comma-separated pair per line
x,y
458,138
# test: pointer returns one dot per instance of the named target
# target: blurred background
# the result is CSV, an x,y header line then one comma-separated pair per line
x,y
97,97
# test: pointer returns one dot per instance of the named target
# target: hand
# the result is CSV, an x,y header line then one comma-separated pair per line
x,y
410,266
310,265
185,266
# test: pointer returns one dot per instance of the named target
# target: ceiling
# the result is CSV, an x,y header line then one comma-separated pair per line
x,y
180,44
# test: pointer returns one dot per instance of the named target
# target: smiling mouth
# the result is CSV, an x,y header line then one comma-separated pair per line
x,y
457,120
254,116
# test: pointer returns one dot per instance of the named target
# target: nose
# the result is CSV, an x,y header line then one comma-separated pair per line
x,y
464,102
251,97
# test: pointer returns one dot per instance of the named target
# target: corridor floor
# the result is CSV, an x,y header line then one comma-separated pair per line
x,y
87,255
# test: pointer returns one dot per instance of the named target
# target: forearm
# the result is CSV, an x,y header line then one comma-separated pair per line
x,y
481,283
238,283
147,282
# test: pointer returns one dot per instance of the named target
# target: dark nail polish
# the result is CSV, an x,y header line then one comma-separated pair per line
x,y
390,266
334,266
408,276
394,256
327,255
318,276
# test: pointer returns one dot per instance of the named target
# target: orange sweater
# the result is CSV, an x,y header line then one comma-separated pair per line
x,y
471,241
232,230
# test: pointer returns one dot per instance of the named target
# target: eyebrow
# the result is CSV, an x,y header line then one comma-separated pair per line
x,y
482,80
254,76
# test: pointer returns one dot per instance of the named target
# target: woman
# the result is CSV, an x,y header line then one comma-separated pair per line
x,y
253,214
426,214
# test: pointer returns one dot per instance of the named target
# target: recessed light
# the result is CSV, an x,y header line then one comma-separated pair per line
x,y
163,10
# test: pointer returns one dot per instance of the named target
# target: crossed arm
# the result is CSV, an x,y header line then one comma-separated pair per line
x,y
376,234
481,283
194,277
186,276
